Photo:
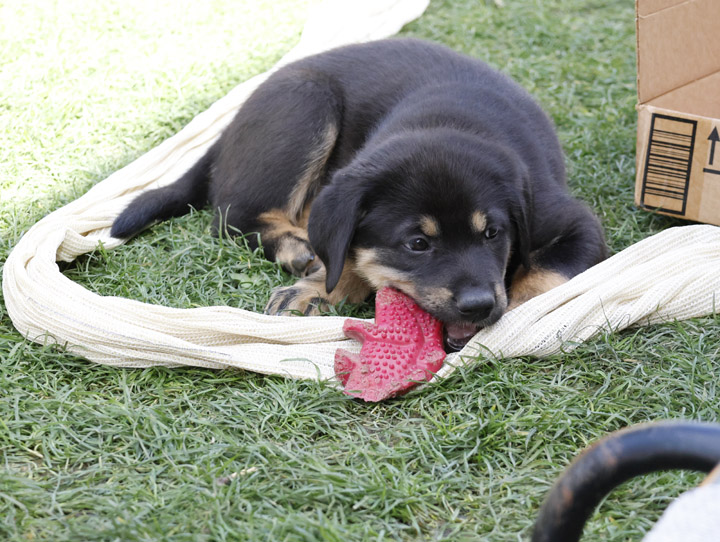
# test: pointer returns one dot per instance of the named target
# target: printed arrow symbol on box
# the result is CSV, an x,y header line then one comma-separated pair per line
x,y
714,138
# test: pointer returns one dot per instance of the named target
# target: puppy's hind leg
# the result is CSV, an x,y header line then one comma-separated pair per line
x,y
273,161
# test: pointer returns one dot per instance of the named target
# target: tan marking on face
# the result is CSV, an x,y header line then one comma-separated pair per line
x,y
308,182
435,298
501,299
527,284
368,266
429,226
478,221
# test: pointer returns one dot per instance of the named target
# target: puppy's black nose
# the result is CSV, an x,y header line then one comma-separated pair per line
x,y
475,304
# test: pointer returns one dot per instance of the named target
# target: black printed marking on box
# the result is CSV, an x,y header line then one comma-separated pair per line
x,y
714,139
669,160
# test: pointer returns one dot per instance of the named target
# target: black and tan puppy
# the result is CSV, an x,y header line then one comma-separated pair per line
x,y
398,163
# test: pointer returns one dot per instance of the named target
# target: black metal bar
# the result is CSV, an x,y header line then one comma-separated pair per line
x,y
615,459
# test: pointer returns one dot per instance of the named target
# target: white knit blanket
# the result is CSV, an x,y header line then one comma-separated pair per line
x,y
693,517
673,275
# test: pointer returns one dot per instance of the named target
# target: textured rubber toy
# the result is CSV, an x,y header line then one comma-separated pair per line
x,y
403,348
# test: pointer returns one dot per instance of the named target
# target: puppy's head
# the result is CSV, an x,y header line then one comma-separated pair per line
x,y
436,214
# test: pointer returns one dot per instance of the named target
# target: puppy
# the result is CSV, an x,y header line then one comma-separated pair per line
x,y
393,163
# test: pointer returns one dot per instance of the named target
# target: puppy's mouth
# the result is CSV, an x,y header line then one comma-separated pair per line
x,y
458,334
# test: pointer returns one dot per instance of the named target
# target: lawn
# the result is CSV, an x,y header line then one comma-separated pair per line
x,y
102,454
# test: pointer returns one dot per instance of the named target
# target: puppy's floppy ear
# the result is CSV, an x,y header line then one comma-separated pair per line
x,y
334,216
521,209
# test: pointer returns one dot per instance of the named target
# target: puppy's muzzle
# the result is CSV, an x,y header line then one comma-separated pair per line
x,y
475,304
476,307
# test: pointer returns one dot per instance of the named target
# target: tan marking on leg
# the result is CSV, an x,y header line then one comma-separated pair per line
x,y
309,297
429,226
305,216
315,164
527,284
291,246
277,223
478,221
368,266
351,286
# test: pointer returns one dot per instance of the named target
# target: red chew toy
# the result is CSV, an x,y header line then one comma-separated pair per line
x,y
401,349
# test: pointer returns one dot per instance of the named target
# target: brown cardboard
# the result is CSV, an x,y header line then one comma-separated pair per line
x,y
678,145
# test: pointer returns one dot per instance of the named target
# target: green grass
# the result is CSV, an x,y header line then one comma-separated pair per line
x,y
95,453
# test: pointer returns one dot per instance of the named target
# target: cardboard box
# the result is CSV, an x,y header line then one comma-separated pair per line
x,y
678,143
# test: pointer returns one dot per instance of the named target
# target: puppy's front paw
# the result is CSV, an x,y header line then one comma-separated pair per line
x,y
297,299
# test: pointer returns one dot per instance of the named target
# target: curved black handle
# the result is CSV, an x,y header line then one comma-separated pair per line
x,y
613,460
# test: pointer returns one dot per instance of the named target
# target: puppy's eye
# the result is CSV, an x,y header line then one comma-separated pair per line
x,y
419,244
490,232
